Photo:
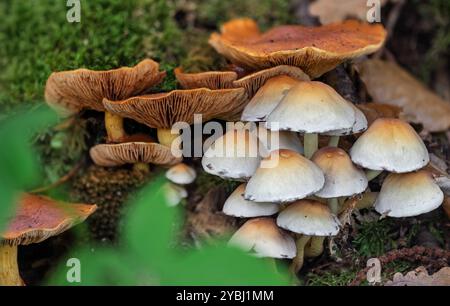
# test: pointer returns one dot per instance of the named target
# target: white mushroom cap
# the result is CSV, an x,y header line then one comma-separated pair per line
x,y
235,155
309,217
292,177
237,206
408,194
174,194
286,140
342,177
359,126
311,107
392,145
181,174
265,238
267,98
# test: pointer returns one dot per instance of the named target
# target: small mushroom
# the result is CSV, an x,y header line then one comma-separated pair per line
x,y
138,153
174,194
264,238
308,218
163,110
290,177
208,79
181,174
342,177
408,194
311,108
69,92
235,155
389,144
315,50
37,218
267,98
237,206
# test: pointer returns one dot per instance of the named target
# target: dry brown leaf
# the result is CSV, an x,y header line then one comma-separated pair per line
x,y
333,11
388,83
420,277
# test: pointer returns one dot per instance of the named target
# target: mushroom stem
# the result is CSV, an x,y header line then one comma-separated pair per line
x,y
114,127
9,269
333,204
315,246
311,144
334,141
141,168
166,137
297,262
371,174
367,200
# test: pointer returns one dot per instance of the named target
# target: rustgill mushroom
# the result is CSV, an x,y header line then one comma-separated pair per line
x,y
163,110
69,92
207,79
37,218
315,50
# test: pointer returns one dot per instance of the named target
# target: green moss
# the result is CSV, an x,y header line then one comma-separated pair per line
x,y
331,278
205,182
374,238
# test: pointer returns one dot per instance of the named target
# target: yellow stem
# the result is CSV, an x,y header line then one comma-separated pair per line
x,y
141,167
165,137
114,127
297,262
315,246
9,270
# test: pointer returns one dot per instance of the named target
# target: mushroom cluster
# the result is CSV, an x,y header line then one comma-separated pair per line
x,y
295,190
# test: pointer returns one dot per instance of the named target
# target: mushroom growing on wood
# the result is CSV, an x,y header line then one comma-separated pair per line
x,y
408,194
72,91
37,218
315,50
389,144
264,238
163,110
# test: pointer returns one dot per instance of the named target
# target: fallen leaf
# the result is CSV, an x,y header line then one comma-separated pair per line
x,y
373,111
420,277
388,83
446,206
334,11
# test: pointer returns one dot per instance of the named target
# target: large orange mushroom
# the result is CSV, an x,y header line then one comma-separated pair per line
x,y
69,92
37,218
315,50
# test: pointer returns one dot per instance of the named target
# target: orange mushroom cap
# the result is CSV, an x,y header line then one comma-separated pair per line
x,y
68,92
208,79
38,218
162,110
315,50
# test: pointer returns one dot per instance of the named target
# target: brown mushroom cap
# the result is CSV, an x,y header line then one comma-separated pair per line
x,y
253,82
110,155
162,110
208,79
315,50
38,218
68,92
